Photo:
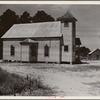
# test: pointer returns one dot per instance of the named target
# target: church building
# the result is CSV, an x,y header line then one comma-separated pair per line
x,y
41,42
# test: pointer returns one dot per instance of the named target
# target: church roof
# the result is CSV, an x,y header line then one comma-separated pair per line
x,y
67,16
44,29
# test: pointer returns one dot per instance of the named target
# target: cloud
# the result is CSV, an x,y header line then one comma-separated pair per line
x,y
58,10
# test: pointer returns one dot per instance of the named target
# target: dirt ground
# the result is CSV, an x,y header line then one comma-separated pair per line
x,y
64,79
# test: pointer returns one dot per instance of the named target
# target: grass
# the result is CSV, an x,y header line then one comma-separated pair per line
x,y
84,68
87,77
13,84
77,68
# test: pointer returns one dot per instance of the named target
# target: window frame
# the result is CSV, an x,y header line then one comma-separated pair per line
x,y
46,51
12,50
66,48
66,24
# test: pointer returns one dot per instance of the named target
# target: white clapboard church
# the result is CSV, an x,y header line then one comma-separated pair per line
x,y
41,42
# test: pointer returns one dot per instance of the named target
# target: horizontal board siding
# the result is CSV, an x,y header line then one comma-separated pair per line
x,y
6,50
22,52
53,51
67,33
25,53
66,56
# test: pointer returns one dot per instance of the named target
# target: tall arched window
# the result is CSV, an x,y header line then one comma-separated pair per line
x,y
46,51
12,50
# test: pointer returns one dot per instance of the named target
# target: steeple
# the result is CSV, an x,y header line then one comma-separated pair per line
x,y
67,17
68,29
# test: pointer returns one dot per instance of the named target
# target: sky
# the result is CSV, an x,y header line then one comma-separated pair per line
x,y
88,16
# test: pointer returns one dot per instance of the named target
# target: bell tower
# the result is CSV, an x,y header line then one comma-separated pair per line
x,y
68,29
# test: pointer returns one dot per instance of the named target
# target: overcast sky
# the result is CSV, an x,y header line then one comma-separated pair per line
x,y
88,16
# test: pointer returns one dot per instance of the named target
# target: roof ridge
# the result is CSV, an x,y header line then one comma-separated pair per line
x,y
93,51
35,23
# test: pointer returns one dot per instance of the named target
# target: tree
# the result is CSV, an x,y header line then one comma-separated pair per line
x,y
8,18
25,18
83,51
42,16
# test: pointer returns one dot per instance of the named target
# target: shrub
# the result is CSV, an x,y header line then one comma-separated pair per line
x,y
12,83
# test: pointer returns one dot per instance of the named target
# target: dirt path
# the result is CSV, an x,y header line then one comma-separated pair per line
x,y
65,82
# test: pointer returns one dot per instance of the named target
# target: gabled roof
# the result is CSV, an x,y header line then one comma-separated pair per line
x,y
44,29
67,17
77,41
28,41
93,51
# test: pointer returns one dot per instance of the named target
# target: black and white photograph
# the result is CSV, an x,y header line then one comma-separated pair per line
x,y
49,50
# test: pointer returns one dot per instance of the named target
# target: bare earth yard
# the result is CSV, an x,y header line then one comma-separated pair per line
x,y
65,80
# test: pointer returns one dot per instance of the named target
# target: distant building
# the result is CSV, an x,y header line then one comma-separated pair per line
x,y
42,42
94,55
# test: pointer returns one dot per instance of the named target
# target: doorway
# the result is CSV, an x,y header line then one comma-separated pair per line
x,y
33,52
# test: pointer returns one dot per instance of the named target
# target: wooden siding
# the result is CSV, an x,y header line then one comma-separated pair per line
x,y
22,51
25,53
54,51
69,35
6,50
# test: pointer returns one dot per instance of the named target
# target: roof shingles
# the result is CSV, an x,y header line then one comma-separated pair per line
x,y
44,29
